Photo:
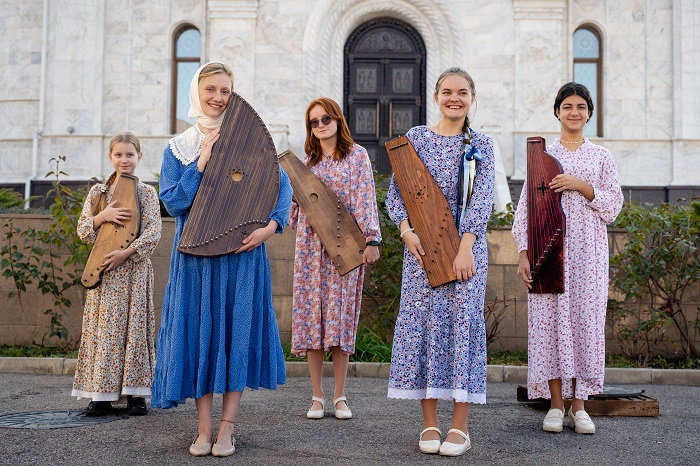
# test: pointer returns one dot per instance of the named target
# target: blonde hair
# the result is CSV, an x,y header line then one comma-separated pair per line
x,y
215,68
99,200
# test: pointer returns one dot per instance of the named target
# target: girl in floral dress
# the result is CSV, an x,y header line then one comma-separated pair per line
x,y
439,349
326,305
566,332
116,355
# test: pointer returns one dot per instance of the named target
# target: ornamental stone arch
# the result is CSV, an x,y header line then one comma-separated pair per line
x,y
332,22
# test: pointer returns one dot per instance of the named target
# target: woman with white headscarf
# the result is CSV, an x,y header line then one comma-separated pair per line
x,y
218,331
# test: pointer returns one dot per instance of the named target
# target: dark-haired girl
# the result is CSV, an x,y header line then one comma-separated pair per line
x,y
326,305
439,349
566,332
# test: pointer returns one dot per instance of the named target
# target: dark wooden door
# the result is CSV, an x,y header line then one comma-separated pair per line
x,y
384,84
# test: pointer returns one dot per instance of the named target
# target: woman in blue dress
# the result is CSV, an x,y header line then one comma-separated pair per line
x,y
439,349
218,332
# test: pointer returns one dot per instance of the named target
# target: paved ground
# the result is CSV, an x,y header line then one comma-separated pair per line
x,y
272,429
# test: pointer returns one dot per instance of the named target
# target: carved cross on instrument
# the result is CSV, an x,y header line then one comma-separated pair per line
x,y
543,188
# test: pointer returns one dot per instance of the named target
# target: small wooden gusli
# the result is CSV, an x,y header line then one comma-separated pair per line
x,y
111,236
338,231
546,223
428,211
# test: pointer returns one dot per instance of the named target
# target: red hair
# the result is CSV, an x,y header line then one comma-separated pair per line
x,y
344,141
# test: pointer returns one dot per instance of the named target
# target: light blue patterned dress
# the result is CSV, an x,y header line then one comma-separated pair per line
x,y
218,330
439,348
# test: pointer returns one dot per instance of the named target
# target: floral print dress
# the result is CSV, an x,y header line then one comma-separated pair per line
x,y
117,354
326,305
566,332
439,348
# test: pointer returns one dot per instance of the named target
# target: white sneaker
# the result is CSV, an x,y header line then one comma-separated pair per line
x,y
455,449
554,420
581,422
429,446
316,413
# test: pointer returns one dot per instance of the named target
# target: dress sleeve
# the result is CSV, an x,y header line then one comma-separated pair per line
x,y
151,224
608,199
294,215
520,221
85,222
479,209
284,200
364,197
394,204
178,184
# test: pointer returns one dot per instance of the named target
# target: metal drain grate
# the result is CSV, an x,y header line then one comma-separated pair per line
x,y
56,419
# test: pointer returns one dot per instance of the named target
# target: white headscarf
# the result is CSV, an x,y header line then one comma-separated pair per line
x,y
196,108
187,146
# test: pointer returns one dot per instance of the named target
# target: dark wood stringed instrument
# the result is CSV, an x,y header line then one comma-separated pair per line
x,y
239,187
111,236
336,228
546,222
428,211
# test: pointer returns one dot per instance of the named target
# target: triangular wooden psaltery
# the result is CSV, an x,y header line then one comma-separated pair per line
x,y
110,236
546,223
428,211
239,188
336,228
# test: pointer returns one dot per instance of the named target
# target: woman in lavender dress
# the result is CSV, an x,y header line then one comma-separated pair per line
x,y
439,349
566,332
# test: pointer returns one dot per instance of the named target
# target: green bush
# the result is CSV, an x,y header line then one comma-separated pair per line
x,y
653,274
10,200
30,257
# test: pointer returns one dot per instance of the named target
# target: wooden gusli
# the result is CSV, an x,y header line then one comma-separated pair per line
x,y
239,188
336,228
428,211
110,236
546,223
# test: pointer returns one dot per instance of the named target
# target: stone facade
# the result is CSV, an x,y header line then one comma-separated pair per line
x,y
75,72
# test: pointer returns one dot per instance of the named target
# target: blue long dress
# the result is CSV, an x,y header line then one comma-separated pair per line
x,y
218,329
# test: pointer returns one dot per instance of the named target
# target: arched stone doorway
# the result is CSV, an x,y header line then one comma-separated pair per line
x,y
384,84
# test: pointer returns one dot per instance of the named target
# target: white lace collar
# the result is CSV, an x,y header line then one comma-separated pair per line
x,y
187,146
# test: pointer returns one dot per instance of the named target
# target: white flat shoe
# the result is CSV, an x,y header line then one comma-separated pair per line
x,y
581,422
316,413
455,449
224,450
200,449
429,446
554,420
342,413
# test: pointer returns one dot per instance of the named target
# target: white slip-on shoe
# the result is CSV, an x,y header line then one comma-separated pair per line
x,y
342,413
554,420
455,449
200,449
316,413
581,422
224,450
429,446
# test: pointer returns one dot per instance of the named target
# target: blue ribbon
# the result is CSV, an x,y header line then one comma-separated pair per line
x,y
467,172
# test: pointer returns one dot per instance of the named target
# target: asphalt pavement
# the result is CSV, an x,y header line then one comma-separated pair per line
x,y
272,430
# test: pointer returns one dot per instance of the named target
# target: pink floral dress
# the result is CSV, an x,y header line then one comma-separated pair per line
x,y
326,305
566,332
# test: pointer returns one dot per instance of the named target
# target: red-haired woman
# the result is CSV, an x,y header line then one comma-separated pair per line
x,y
326,305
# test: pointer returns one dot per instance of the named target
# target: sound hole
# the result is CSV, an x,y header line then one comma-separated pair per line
x,y
236,176
313,197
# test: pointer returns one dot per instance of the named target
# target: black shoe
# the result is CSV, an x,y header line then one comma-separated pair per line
x,y
136,406
98,408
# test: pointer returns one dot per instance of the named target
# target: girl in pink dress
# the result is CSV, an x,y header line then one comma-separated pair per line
x,y
566,332
326,305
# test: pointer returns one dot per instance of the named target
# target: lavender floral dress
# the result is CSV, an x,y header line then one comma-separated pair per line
x,y
566,332
326,305
439,346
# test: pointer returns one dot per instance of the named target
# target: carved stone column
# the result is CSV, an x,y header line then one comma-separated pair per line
x,y
540,69
231,39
